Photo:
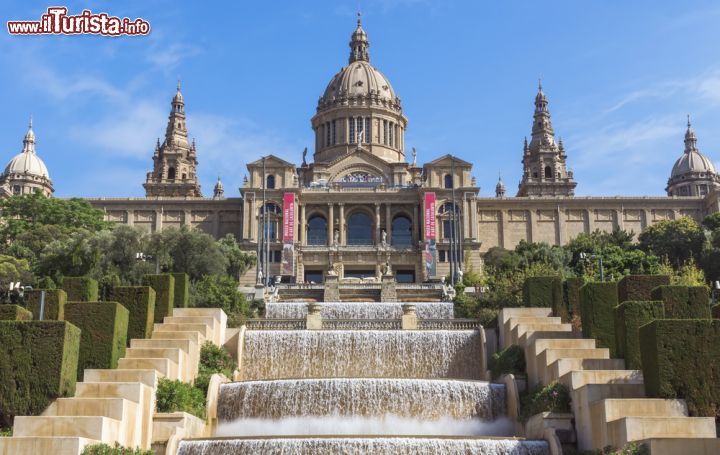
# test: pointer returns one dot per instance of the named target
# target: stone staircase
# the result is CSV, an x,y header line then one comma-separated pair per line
x,y
118,405
608,401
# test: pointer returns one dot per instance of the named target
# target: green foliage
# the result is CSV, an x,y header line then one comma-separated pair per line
x,y
678,240
511,360
597,303
488,317
639,287
117,449
545,292
213,291
715,311
38,363
176,396
213,359
571,295
140,302
712,221
683,302
238,261
629,316
164,286
13,270
80,288
554,397
14,313
104,328
188,250
182,290
681,359
55,300
6,432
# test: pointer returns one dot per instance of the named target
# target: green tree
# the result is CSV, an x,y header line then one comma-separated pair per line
x,y
13,270
238,261
221,291
678,240
188,250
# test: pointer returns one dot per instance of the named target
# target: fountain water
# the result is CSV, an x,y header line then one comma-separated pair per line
x,y
359,310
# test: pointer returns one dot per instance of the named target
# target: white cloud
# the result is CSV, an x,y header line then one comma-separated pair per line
x,y
167,57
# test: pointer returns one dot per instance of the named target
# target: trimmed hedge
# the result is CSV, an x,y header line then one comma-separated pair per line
x,y
104,328
38,363
14,313
629,316
509,360
182,290
140,302
639,287
681,359
164,286
684,302
80,289
545,292
572,295
55,300
597,303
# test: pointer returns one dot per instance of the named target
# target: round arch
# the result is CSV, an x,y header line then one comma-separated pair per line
x,y
359,227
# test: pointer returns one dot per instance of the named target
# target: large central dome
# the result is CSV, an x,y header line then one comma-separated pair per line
x,y
359,108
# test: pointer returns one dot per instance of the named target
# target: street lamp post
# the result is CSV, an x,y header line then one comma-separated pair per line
x,y
715,290
588,257
147,257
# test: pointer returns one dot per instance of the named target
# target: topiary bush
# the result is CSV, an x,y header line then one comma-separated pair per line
x,y
164,286
80,288
684,302
14,313
38,363
176,396
543,292
571,290
55,300
511,360
681,359
629,316
117,449
104,333
182,290
639,287
213,359
140,302
597,303
554,397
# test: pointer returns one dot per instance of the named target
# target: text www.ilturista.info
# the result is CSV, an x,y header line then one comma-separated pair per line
x,y
57,22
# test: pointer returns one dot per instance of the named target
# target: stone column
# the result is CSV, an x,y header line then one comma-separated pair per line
x,y
504,228
343,232
131,217
388,224
331,224
158,220
559,231
590,221
647,219
388,292
409,317
186,217
377,223
415,226
331,287
314,319
532,219
302,235
473,219
216,222
253,213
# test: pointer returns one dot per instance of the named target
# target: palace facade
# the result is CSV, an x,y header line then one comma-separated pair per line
x,y
361,202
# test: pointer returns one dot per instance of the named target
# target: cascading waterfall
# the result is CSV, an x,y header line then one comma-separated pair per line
x,y
359,310
364,445
431,354
426,399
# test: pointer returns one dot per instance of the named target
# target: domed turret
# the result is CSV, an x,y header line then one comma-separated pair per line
x,y
219,191
693,173
359,106
26,172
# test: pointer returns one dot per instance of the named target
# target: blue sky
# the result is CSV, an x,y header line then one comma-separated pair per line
x,y
620,76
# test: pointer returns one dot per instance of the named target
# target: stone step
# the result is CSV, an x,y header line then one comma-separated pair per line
x,y
204,330
576,379
581,399
31,445
146,376
563,366
164,367
672,446
539,345
532,335
628,429
133,391
507,313
195,337
174,354
114,408
520,330
549,356
102,429
191,350
207,320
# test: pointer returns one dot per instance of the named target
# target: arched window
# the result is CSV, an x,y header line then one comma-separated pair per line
x,y
171,173
184,176
317,230
270,182
359,229
402,231
548,172
448,181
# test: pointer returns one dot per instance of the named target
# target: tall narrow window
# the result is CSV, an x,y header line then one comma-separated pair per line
x,y
392,138
270,182
385,132
352,130
171,173
548,172
359,128
397,136
333,137
448,181
327,135
368,131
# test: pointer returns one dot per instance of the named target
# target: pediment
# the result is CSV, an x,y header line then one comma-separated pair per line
x,y
270,161
360,162
447,160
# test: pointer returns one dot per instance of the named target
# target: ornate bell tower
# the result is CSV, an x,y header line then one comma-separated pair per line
x,y
175,160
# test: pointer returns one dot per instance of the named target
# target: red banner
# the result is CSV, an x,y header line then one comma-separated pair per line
x,y
288,253
430,232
